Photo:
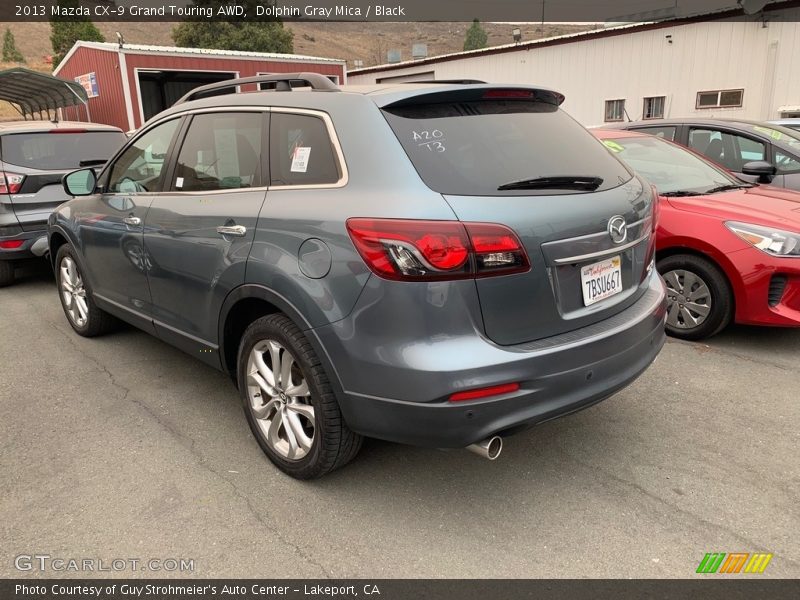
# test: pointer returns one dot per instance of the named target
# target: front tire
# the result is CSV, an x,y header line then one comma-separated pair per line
x,y
699,298
289,402
76,299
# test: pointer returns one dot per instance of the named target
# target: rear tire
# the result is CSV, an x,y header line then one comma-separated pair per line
x,y
76,297
6,272
289,402
699,297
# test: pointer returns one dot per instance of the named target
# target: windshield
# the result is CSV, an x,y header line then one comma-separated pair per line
x,y
670,168
503,147
59,151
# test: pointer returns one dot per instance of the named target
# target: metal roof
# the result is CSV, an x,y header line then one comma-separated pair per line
x,y
179,51
578,36
31,92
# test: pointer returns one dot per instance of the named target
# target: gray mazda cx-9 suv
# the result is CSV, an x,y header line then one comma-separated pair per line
x,y
432,264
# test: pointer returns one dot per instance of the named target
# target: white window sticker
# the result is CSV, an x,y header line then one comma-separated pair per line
x,y
300,159
179,182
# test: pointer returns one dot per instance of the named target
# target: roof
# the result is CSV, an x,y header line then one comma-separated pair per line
x,y
32,92
381,95
42,125
179,51
569,38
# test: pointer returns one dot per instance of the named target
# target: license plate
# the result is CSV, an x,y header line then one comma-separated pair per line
x,y
601,280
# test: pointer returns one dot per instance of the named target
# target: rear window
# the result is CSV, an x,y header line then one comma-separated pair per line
x,y
54,151
473,148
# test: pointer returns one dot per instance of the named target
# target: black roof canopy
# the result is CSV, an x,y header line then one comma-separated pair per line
x,y
31,92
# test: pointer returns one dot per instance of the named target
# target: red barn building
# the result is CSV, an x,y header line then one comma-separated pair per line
x,y
127,84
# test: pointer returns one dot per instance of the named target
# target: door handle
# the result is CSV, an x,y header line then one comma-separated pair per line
x,y
237,230
132,221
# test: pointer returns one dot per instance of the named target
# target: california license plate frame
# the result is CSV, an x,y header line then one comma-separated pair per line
x,y
601,280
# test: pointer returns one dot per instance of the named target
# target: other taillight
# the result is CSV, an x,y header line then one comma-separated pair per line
x,y
67,131
402,249
11,183
498,250
11,244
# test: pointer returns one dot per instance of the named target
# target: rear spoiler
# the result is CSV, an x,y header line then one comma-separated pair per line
x,y
473,93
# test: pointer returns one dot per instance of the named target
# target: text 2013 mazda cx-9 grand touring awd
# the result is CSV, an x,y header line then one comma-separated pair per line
x,y
431,264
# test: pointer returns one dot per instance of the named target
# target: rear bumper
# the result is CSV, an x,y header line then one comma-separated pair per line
x,y
557,376
34,244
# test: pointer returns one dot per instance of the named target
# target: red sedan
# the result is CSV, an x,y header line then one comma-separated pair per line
x,y
728,250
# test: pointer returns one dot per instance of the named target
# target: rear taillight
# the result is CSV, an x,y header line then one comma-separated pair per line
x,y
410,250
11,244
67,131
11,183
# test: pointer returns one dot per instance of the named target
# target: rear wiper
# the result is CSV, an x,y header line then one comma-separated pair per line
x,y
727,187
680,194
558,182
94,162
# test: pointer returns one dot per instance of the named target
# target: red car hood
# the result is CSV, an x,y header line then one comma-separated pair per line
x,y
760,205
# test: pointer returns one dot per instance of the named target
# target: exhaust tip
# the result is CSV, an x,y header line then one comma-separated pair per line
x,y
490,448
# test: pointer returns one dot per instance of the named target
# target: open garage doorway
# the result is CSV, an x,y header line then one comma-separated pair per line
x,y
158,90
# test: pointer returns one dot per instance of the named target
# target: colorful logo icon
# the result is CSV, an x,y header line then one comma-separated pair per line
x,y
734,562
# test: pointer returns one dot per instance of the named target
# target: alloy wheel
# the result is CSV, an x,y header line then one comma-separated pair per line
x,y
280,400
73,292
688,299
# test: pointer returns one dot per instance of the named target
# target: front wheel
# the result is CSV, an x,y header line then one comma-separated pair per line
x,y
699,298
289,402
82,313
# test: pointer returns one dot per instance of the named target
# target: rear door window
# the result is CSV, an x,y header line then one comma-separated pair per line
x,y
301,151
221,151
472,148
60,150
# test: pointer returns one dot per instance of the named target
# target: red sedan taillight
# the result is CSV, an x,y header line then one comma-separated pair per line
x,y
10,183
414,250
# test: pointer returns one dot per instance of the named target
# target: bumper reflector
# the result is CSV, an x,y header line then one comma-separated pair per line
x,y
494,390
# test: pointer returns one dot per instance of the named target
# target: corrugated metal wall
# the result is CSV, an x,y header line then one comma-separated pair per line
x,y
726,54
109,106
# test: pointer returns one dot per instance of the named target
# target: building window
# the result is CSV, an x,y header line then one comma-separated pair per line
x,y
615,110
720,99
653,107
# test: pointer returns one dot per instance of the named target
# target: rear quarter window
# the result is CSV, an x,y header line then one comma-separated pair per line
x,y
59,151
472,148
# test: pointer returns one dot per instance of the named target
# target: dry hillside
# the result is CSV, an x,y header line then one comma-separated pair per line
x,y
348,41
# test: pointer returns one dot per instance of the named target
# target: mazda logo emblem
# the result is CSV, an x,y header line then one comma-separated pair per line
x,y
617,229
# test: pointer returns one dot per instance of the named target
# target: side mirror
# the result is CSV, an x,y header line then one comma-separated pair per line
x,y
762,169
80,183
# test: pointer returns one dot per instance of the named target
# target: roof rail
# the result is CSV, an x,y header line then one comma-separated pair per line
x,y
281,83
455,81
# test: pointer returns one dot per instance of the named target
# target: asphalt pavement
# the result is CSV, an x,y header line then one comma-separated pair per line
x,y
123,447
